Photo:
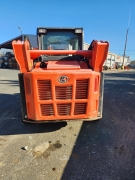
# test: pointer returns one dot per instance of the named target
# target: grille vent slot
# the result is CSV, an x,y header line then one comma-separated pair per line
x,y
47,109
81,89
64,109
63,92
44,89
28,88
80,108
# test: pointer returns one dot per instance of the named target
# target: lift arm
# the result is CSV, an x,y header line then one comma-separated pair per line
x,y
25,56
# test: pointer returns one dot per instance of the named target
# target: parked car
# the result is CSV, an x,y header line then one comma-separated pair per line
x,y
118,65
105,67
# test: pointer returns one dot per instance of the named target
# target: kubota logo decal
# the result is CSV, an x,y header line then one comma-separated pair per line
x,y
63,79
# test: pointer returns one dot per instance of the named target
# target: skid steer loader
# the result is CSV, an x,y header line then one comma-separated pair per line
x,y
60,81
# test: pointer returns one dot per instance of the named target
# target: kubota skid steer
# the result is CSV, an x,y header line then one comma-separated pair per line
x,y
61,81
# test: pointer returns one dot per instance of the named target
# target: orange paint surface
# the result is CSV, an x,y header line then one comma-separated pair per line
x,y
64,89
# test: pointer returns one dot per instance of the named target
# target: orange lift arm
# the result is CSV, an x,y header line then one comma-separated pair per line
x,y
25,56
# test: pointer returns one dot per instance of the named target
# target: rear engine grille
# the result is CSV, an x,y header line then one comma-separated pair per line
x,y
81,89
47,109
64,109
44,89
63,92
80,108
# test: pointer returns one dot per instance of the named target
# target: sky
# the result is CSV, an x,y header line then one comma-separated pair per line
x,y
106,20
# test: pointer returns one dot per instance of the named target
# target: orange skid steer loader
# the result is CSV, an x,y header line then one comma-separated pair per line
x,y
60,81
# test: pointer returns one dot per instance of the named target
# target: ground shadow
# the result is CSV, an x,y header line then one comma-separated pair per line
x,y
120,73
105,149
10,82
11,120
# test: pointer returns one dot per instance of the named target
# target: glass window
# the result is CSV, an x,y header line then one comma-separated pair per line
x,y
60,41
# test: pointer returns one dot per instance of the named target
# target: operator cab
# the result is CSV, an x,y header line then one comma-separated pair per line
x,y
59,39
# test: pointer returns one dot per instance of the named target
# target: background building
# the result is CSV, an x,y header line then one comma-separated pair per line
x,y
113,58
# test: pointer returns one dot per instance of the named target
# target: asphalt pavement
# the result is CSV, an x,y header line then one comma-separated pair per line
x,y
76,150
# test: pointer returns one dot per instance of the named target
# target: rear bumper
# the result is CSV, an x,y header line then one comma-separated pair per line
x,y
57,121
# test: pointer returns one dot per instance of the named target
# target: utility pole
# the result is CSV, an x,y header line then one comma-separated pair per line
x,y
126,38
21,32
